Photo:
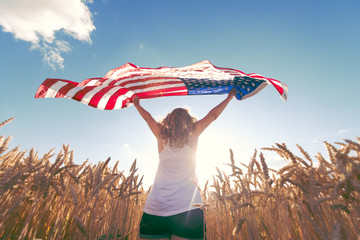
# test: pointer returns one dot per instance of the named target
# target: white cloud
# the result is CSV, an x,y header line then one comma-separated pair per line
x,y
343,131
52,52
126,146
141,46
39,21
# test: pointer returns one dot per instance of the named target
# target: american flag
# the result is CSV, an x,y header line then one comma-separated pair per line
x,y
116,89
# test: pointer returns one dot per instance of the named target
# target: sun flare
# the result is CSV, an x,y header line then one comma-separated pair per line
x,y
212,152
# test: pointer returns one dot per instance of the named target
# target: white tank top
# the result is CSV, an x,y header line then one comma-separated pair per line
x,y
174,190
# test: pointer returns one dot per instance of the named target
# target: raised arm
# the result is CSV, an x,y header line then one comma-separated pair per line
x,y
153,125
214,113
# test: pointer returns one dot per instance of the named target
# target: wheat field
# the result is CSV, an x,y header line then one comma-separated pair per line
x,y
51,197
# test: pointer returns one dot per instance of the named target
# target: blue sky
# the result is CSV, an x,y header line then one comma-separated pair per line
x,y
312,46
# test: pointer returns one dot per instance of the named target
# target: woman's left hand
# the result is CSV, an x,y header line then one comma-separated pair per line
x,y
232,93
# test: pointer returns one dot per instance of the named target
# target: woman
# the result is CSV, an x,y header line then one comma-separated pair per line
x,y
169,211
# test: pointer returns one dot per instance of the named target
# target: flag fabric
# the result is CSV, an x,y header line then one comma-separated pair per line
x,y
116,89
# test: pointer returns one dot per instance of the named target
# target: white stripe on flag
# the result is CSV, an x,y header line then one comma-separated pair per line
x,y
140,75
73,91
275,82
88,96
120,99
104,100
118,72
159,87
53,90
206,73
234,73
150,82
92,82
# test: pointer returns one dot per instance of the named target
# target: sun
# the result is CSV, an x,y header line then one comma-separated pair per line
x,y
211,153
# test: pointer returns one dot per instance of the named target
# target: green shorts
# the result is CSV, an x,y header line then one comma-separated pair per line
x,y
188,224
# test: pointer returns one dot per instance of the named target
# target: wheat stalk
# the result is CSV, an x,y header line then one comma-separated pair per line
x,y
6,122
48,198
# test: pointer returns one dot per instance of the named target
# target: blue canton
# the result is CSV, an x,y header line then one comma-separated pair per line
x,y
244,85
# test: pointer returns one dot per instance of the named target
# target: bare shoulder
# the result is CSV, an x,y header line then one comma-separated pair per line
x,y
161,144
193,141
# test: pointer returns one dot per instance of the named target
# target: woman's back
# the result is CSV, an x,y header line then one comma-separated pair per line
x,y
175,186
177,163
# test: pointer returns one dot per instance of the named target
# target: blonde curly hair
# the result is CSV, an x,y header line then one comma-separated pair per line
x,y
177,127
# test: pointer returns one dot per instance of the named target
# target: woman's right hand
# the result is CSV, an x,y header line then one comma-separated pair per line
x,y
136,100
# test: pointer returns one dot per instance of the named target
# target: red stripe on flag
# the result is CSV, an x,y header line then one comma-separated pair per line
x,y
80,94
278,88
150,78
255,75
112,100
42,90
175,91
64,90
120,82
44,87
94,101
